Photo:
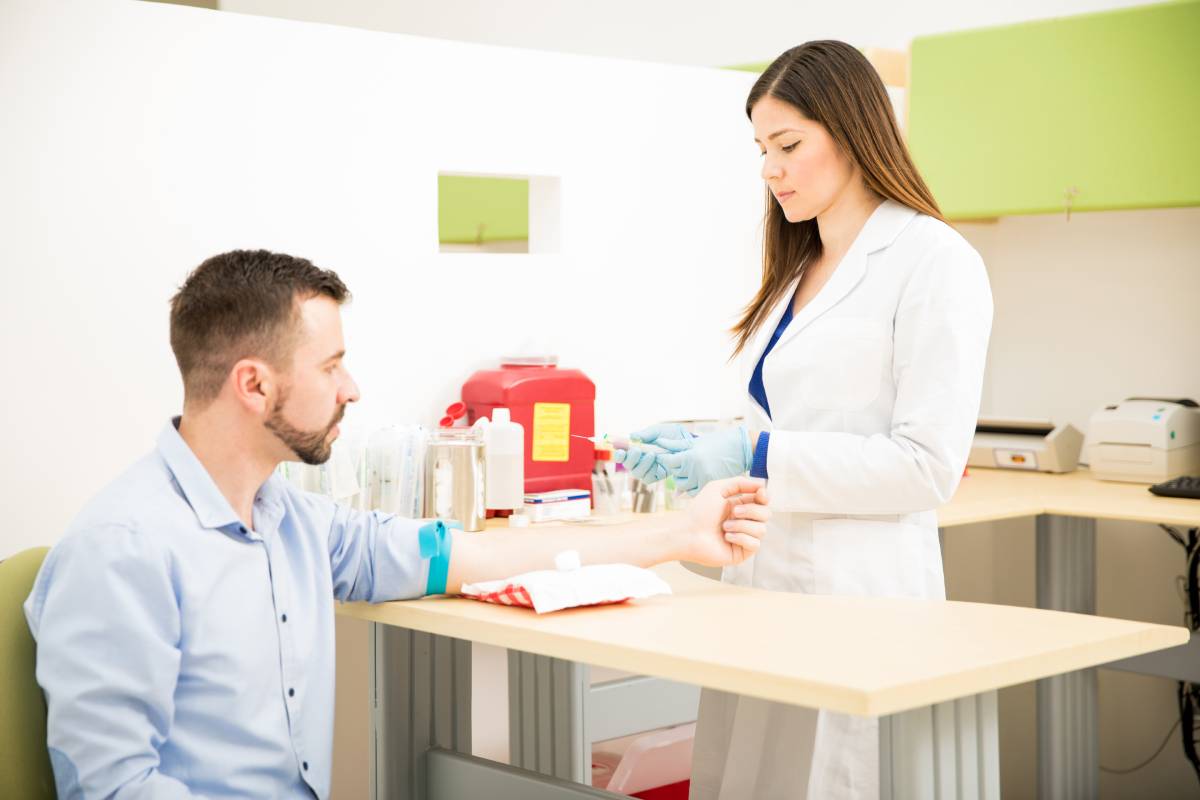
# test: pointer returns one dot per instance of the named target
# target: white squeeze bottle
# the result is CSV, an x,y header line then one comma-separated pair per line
x,y
504,451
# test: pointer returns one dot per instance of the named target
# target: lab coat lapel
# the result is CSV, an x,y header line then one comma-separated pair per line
x,y
847,275
881,229
759,343
765,331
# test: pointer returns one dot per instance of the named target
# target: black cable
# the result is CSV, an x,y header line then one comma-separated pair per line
x,y
1174,535
1146,763
1193,578
1187,716
1181,589
1189,582
1188,693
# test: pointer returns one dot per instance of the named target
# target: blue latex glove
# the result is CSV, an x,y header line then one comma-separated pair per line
x,y
670,436
711,456
644,463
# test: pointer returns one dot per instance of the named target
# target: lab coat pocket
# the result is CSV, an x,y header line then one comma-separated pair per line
x,y
842,367
868,557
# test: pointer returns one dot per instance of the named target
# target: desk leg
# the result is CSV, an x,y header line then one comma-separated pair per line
x,y
547,725
1068,731
420,699
949,750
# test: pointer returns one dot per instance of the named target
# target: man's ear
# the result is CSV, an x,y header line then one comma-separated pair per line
x,y
254,385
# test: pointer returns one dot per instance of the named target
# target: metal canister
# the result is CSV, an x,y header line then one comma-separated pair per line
x,y
454,476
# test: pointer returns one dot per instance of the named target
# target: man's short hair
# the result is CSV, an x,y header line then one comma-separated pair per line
x,y
242,304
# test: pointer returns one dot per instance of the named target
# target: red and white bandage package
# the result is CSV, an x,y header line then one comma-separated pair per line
x,y
570,586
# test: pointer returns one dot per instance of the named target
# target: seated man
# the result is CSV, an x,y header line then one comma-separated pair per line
x,y
185,623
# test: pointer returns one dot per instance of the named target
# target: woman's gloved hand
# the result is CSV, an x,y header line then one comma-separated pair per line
x,y
644,463
670,436
712,456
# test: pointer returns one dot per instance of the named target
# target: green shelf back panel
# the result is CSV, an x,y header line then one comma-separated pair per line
x,y
481,209
1006,120
759,67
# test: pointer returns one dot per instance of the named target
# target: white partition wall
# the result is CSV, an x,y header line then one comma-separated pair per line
x,y
138,139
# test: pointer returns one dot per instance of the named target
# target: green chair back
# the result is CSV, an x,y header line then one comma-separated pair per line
x,y
24,761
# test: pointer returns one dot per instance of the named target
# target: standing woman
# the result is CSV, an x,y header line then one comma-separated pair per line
x,y
864,354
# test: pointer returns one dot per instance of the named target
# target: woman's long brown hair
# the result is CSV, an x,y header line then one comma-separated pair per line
x,y
831,83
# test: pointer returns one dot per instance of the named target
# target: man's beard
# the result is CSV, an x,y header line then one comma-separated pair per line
x,y
309,446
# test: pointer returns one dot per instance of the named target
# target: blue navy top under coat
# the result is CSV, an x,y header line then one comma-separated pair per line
x,y
758,467
183,654
757,390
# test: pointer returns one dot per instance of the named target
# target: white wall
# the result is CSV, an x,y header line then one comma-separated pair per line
x,y
141,138
671,31
1091,311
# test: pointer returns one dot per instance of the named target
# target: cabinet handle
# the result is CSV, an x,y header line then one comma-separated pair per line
x,y
1069,195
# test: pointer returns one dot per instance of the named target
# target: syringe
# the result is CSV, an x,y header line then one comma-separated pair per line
x,y
621,442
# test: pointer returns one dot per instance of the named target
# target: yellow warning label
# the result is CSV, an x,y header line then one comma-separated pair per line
x,y
551,431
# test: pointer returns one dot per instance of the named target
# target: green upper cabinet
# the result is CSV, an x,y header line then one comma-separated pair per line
x,y
1100,111
473,209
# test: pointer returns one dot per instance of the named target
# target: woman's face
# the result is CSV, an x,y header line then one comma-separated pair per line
x,y
802,165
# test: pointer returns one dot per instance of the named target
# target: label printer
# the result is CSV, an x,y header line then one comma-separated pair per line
x,y
1145,440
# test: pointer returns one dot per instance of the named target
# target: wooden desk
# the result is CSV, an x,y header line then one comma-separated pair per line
x,y
906,658
1066,508
856,655
987,495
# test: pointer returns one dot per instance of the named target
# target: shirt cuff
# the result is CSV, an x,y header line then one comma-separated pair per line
x,y
758,467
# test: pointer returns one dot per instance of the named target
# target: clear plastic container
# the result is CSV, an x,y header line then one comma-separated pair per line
x,y
455,477
393,468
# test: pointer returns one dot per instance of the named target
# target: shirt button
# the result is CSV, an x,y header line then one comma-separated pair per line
x,y
305,765
283,618
291,692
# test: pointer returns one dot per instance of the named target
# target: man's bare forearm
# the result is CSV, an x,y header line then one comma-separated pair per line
x,y
502,553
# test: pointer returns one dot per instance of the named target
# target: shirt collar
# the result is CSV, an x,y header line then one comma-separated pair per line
x,y
885,224
270,498
198,487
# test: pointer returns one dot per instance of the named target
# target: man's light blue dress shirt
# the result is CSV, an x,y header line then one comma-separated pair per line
x,y
184,655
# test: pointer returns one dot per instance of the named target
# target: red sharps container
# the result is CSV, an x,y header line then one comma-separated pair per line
x,y
551,404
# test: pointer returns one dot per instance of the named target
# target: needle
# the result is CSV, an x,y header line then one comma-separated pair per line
x,y
620,442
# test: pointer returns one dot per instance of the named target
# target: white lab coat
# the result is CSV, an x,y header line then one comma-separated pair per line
x,y
874,389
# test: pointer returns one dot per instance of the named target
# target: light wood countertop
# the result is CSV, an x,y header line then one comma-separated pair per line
x,y
859,655
985,495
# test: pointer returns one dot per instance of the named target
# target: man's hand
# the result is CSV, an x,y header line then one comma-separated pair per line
x,y
726,521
